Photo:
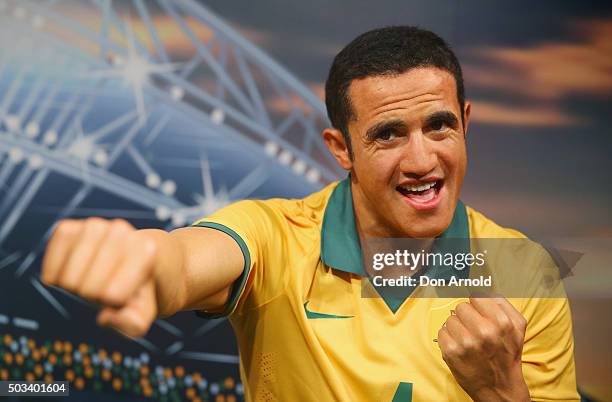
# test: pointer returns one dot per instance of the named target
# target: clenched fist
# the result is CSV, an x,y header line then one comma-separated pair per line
x,y
482,344
107,262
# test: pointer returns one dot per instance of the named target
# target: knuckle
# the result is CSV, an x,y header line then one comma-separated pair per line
x,y
452,320
487,333
67,227
120,225
470,344
462,307
462,352
452,350
504,325
476,300
149,245
96,224
95,220
143,244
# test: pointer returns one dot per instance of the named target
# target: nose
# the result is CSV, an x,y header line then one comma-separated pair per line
x,y
418,157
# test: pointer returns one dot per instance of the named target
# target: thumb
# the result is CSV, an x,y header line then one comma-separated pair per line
x,y
135,317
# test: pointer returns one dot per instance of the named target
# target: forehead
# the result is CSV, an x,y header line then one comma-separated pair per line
x,y
416,89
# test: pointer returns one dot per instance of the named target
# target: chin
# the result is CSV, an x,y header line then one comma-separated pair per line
x,y
425,234
427,228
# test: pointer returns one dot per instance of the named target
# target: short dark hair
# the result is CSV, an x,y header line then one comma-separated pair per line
x,y
385,51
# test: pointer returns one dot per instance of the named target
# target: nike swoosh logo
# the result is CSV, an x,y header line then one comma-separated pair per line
x,y
312,314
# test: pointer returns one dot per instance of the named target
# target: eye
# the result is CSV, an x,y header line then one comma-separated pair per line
x,y
438,125
386,134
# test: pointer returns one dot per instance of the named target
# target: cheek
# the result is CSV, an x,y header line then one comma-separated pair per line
x,y
378,169
455,160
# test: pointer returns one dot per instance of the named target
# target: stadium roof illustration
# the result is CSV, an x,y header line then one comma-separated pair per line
x,y
153,111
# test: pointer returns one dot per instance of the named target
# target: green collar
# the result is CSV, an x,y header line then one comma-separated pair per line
x,y
340,247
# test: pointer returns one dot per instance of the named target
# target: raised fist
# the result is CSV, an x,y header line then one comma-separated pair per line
x,y
107,262
482,344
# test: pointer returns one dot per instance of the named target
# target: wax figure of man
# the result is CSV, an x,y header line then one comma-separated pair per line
x,y
288,273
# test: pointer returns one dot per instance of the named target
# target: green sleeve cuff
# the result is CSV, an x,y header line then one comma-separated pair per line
x,y
240,283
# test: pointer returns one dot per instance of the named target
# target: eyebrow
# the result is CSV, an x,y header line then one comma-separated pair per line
x,y
394,124
442,116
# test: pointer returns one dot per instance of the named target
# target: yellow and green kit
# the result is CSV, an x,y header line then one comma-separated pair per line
x,y
305,333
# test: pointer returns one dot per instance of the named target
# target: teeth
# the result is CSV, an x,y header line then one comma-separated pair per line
x,y
422,187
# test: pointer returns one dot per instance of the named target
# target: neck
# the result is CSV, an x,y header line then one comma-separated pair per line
x,y
367,223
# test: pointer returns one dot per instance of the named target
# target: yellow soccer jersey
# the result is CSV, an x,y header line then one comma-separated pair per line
x,y
305,333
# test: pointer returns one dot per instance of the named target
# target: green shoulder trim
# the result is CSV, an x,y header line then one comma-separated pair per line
x,y
240,283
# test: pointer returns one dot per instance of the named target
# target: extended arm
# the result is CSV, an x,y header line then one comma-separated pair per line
x,y
138,275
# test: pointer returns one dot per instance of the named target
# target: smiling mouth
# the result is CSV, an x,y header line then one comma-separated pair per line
x,y
421,193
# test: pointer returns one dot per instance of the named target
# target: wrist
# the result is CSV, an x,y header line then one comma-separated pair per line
x,y
513,389
167,273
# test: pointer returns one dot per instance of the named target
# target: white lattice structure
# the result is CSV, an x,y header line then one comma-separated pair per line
x,y
154,111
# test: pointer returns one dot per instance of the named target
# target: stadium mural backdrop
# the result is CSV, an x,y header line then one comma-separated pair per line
x,y
160,112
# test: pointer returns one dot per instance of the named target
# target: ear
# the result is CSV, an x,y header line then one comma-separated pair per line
x,y
467,109
334,140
